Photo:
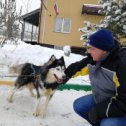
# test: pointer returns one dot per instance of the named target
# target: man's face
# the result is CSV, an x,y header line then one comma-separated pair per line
x,y
96,54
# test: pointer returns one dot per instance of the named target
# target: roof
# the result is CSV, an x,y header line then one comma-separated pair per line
x,y
32,17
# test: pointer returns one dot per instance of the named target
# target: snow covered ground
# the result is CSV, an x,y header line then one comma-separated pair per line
x,y
19,113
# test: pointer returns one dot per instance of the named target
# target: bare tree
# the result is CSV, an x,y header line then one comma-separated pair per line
x,y
27,4
9,20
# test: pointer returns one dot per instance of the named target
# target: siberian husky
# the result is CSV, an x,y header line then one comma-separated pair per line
x,y
44,79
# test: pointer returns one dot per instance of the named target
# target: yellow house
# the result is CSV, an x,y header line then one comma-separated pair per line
x,y
62,29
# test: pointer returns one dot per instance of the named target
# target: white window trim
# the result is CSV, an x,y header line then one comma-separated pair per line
x,y
63,25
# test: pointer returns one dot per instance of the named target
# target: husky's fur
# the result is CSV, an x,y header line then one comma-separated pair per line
x,y
44,79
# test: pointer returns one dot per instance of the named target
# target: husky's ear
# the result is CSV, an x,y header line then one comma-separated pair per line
x,y
62,59
51,60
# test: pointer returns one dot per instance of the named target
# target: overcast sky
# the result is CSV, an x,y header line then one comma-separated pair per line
x,y
33,4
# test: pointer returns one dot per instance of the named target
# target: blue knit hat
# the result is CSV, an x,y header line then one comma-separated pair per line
x,y
102,39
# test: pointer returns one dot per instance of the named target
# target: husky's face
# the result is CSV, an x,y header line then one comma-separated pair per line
x,y
58,73
56,70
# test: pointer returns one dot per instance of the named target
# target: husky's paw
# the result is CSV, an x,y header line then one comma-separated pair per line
x,y
36,113
9,100
33,95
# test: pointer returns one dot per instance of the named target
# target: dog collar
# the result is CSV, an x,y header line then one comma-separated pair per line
x,y
52,86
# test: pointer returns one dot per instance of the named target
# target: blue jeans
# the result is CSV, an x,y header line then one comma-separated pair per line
x,y
84,104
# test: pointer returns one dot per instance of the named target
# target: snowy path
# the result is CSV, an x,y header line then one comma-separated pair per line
x,y
59,113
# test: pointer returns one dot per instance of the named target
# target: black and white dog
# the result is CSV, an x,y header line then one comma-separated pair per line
x,y
44,79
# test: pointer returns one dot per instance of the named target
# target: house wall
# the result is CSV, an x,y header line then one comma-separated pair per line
x,y
67,9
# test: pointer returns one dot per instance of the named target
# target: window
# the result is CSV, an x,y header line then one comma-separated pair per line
x,y
35,33
62,25
27,32
30,32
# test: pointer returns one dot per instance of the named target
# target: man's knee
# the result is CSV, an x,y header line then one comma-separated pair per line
x,y
83,104
76,106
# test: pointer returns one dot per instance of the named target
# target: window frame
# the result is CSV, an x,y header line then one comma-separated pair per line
x,y
29,33
62,25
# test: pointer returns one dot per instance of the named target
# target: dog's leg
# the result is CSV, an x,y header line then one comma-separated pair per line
x,y
31,87
31,92
46,105
10,97
36,109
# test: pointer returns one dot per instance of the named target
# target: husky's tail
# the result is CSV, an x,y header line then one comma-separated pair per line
x,y
16,69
